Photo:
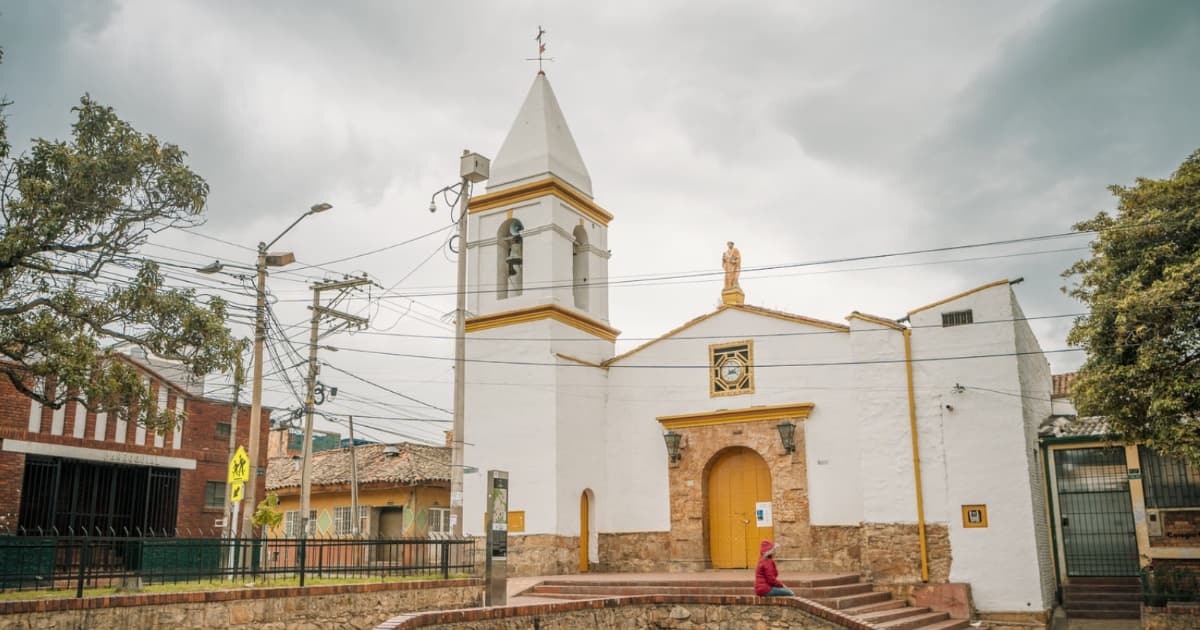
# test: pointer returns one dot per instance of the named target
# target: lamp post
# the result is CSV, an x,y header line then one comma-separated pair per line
x,y
473,168
278,259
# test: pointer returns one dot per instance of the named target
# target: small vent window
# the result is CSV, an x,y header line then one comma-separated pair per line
x,y
957,318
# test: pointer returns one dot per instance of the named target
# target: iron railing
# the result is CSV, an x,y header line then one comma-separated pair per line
x,y
1163,584
79,561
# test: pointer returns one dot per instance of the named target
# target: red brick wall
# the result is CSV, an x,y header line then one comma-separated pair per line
x,y
200,442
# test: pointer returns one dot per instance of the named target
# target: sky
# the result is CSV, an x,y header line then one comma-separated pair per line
x,y
804,132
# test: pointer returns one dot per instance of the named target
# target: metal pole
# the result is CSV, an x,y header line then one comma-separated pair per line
x,y
310,384
353,484
228,526
460,380
260,335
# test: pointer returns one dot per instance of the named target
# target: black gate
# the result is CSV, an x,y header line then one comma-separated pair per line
x,y
65,496
1095,512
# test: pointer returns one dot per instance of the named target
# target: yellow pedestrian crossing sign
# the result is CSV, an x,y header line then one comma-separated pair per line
x,y
236,491
239,467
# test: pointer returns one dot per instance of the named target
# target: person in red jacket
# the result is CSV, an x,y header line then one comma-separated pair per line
x,y
766,575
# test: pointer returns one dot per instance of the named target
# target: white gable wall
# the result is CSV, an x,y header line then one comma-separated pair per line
x,y
985,446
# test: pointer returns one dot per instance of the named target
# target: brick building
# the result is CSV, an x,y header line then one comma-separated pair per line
x,y
71,468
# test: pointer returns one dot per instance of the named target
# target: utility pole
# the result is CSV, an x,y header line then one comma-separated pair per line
x,y
460,366
228,527
357,522
319,312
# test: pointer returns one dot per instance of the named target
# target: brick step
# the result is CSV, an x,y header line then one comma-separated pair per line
x,y
877,606
1101,597
1101,604
1105,581
892,614
832,591
1102,588
645,589
792,582
949,624
851,601
567,596
914,622
1104,614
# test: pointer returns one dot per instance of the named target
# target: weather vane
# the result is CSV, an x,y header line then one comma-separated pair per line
x,y
541,49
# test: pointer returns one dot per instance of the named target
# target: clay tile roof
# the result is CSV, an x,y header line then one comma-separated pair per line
x,y
1070,426
1061,385
415,464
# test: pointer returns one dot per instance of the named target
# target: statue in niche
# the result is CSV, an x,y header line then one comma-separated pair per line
x,y
731,261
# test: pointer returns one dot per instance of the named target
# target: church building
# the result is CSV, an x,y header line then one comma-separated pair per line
x,y
904,448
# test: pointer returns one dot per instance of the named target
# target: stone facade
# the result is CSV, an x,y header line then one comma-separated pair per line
x,y
689,543
634,552
1173,616
685,612
342,606
542,554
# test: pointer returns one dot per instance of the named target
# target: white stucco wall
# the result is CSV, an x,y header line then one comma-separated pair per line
x,y
986,450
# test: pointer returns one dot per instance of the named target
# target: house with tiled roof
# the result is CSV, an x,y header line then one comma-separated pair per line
x,y
403,492
1115,510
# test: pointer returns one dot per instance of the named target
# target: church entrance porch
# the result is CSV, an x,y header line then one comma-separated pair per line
x,y
737,481
730,461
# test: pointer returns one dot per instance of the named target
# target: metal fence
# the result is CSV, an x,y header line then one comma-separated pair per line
x,y
41,560
1170,584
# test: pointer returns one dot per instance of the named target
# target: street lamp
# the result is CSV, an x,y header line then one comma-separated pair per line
x,y
473,168
277,259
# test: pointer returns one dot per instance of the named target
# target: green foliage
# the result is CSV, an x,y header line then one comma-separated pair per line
x,y
1142,334
265,515
71,283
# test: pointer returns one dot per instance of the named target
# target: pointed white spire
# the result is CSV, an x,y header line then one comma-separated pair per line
x,y
539,145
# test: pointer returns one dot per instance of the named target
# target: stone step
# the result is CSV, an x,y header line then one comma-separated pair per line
x,y
1118,596
1102,588
948,624
1102,603
891,615
888,605
914,622
1104,614
817,592
567,596
851,601
793,582
645,589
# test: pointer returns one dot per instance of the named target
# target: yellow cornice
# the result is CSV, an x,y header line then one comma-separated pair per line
x,y
544,311
798,411
567,357
549,186
887,323
957,296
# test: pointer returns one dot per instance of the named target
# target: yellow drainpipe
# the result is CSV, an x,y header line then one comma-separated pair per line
x,y
912,422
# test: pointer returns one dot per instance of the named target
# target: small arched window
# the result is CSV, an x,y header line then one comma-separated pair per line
x,y
510,261
579,267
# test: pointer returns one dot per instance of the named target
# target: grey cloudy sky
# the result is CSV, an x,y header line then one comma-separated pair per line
x,y
802,131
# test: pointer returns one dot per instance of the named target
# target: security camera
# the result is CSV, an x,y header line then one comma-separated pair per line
x,y
432,206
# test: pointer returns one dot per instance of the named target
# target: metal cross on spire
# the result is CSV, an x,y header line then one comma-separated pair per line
x,y
541,49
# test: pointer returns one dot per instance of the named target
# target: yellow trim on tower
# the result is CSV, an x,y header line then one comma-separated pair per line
x,y
733,416
549,186
544,311
959,295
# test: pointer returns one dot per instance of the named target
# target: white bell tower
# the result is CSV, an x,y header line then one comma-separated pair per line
x,y
537,333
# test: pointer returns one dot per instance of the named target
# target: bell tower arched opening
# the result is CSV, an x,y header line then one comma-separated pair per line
x,y
579,267
510,259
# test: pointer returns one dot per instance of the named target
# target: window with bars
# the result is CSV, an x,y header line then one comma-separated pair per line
x,y
342,521
291,523
957,318
1168,482
439,520
214,494
223,429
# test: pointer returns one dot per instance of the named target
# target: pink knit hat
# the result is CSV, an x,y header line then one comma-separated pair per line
x,y
766,548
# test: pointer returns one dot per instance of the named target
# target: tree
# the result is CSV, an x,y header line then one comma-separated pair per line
x,y
1142,334
74,215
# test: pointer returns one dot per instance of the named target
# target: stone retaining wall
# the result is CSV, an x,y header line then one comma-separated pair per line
x,y
691,612
340,606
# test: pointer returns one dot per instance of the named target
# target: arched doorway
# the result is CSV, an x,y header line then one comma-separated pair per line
x,y
585,530
737,479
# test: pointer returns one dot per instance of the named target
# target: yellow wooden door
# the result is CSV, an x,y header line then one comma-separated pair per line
x,y
584,541
736,481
